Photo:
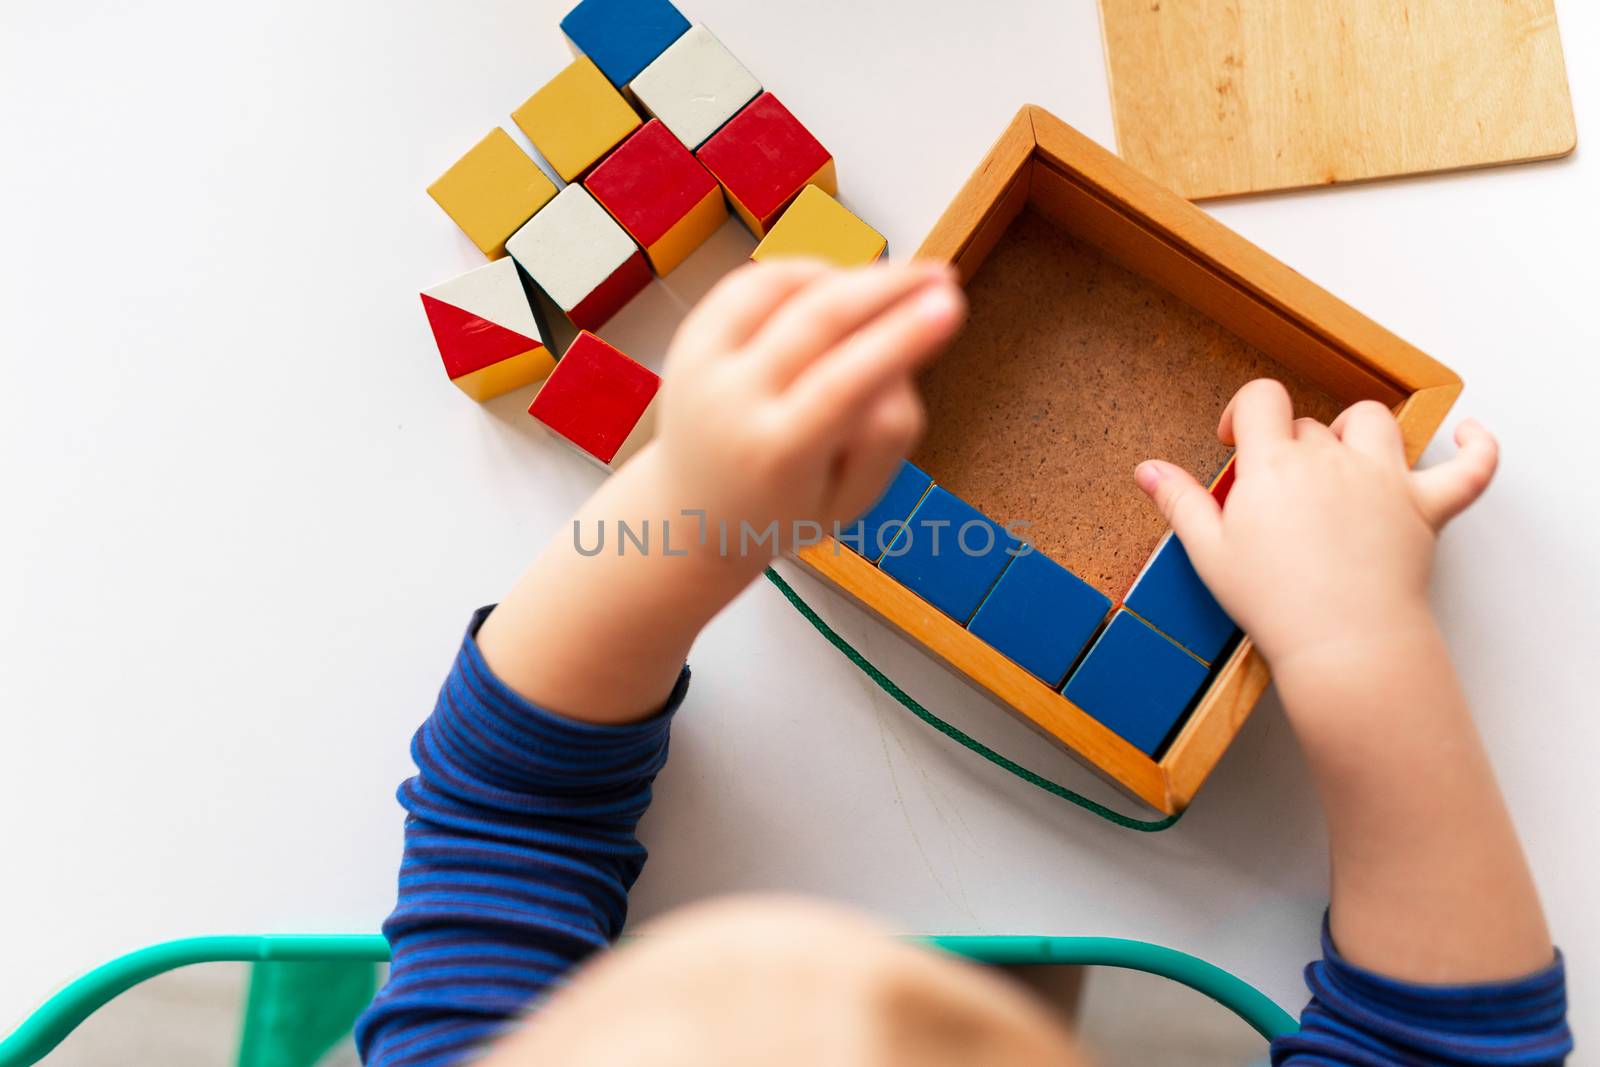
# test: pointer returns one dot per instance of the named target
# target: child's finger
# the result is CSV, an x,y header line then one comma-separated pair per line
x,y
834,390
737,306
1259,412
1446,490
1192,512
889,428
1369,428
1308,429
825,313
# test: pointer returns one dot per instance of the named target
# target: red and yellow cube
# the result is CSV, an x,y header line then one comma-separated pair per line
x,y
660,194
819,227
764,157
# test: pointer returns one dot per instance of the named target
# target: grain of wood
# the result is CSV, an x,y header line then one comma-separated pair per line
x,y
1223,97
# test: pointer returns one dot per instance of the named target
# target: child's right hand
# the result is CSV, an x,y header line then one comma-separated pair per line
x,y
789,397
1327,539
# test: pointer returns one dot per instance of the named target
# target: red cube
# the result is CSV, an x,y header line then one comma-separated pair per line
x,y
662,196
763,157
599,400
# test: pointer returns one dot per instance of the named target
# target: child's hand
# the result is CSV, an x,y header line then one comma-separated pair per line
x,y
789,395
1327,538
788,398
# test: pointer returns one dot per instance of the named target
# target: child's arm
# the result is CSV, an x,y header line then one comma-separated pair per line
x,y
1322,553
788,397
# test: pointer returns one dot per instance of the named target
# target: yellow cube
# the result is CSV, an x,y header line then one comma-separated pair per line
x,y
576,118
492,190
818,226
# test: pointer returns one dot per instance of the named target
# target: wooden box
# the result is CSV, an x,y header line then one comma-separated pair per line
x,y
1111,322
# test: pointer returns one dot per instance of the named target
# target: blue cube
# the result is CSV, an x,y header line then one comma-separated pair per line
x,y
1170,596
1041,616
623,36
949,554
1137,682
881,525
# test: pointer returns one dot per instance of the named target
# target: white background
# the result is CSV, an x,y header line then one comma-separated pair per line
x,y
245,517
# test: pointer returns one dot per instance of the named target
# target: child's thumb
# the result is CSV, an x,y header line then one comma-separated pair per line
x,y
1194,514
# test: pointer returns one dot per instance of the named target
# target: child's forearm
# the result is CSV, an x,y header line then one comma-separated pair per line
x,y
602,637
1429,880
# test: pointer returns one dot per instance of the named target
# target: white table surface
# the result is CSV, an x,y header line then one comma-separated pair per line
x,y
245,517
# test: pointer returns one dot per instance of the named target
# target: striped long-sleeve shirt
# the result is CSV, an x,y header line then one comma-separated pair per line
x,y
520,849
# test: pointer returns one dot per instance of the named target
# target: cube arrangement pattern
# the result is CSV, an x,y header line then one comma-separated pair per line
x,y
645,191
640,198
1139,674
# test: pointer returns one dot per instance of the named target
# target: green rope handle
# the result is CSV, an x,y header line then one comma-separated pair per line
x,y
907,701
60,1015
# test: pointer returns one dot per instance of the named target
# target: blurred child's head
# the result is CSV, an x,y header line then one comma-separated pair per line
x,y
781,982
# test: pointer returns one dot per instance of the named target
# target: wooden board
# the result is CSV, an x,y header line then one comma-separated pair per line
x,y
1221,97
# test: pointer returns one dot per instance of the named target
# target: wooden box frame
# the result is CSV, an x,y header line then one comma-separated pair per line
x,y
1040,161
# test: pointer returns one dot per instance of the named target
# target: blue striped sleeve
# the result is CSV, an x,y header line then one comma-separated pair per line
x,y
1360,1019
519,853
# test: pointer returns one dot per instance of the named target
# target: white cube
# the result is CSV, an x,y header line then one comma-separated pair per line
x,y
695,86
580,257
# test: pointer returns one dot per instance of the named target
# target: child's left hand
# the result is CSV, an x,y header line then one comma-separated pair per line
x,y
788,394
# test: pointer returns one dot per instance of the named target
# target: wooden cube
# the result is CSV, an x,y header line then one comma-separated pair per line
x,y
622,37
660,194
763,157
1041,615
586,264
950,554
884,521
695,86
576,118
1136,682
492,190
1103,261
487,332
1170,596
818,226
599,401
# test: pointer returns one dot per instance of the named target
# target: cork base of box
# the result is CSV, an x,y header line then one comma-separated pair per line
x,y
1070,371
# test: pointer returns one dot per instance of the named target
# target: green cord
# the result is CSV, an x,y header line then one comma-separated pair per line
x,y
907,701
